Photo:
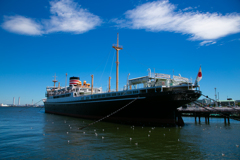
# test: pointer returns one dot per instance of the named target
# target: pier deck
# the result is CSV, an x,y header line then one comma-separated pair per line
x,y
224,112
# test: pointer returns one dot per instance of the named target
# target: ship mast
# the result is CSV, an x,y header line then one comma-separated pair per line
x,y
117,48
66,81
54,81
92,85
109,85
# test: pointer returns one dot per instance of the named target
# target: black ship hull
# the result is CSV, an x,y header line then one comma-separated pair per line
x,y
156,108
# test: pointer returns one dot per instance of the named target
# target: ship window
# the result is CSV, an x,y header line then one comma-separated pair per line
x,y
108,95
95,96
87,97
134,92
114,94
103,95
64,95
151,90
158,89
129,92
143,91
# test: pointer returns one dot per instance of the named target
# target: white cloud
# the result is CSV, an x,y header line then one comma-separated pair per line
x,y
161,16
188,8
207,43
67,16
22,25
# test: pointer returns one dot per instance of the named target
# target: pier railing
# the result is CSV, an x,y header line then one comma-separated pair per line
x,y
210,110
203,111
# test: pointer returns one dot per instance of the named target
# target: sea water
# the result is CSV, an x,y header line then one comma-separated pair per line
x,y
30,133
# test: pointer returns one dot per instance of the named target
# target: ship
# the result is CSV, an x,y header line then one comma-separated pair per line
x,y
148,100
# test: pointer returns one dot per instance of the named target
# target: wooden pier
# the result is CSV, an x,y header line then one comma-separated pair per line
x,y
219,112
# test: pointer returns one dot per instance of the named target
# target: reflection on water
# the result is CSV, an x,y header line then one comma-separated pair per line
x,y
36,135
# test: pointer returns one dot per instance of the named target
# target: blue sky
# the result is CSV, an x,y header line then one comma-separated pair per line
x,y
40,38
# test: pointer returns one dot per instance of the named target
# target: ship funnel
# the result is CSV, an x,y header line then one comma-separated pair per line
x,y
74,81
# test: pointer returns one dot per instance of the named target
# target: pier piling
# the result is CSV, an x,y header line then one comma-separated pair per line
x,y
218,112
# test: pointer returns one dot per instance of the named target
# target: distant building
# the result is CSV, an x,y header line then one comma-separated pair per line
x,y
237,101
225,103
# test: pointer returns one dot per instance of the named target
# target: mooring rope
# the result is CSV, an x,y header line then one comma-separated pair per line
x,y
30,106
224,115
109,114
199,104
216,101
41,108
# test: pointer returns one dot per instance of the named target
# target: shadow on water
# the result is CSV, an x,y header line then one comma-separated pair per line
x,y
111,140
33,134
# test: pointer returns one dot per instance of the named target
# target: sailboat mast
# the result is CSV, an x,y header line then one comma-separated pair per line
x,y
117,48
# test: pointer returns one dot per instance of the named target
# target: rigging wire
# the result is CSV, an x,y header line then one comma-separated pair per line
x,y
144,64
102,62
112,64
60,79
105,67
